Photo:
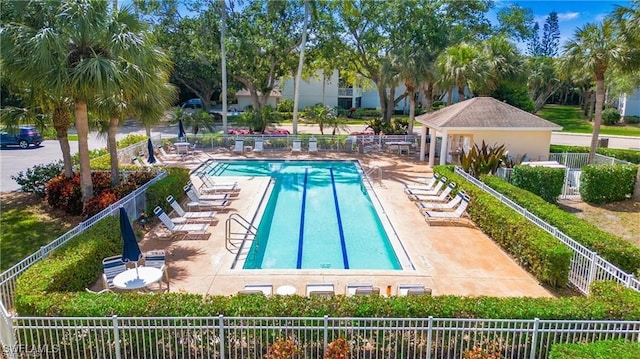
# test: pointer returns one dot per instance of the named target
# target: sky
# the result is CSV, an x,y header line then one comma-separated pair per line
x,y
572,14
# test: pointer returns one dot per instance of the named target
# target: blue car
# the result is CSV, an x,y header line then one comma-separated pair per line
x,y
24,137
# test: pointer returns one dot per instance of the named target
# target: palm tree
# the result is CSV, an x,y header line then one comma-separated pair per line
x,y
23,22
459,64
595,48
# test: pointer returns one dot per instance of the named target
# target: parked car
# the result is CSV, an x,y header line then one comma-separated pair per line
x,y
24,137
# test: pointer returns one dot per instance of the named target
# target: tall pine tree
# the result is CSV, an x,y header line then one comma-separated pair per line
x,y
550,36
533,47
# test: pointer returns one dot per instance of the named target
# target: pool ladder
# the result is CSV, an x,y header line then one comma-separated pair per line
x,y
247,231
375,170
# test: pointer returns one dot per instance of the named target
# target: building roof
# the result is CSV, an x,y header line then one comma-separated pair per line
x,y
484,113
245,92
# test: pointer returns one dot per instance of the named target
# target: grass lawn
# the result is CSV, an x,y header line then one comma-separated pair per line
x,y
26,224
572,120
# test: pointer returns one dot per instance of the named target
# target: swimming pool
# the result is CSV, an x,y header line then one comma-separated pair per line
x,y
318,216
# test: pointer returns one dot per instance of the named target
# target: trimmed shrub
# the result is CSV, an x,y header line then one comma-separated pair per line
x,y
619,349
544,256
173,185
631,120
607,183
616,250
34,179
610,117
285,105
632,156
543,181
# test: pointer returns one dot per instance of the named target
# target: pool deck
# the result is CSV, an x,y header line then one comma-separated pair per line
x,y
451,259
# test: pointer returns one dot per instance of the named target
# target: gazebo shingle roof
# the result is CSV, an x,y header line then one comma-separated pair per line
x,y
484,112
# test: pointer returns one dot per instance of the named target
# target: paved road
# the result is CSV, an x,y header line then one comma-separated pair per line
x,y
14,160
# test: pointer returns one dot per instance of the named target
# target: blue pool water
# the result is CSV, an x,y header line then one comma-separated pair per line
x,y
318,216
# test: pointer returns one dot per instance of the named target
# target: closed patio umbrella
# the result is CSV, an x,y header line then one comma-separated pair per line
x,y
130,249
151,158
181,133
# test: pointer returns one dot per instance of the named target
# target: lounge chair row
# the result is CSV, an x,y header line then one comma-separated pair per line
x,y
205,201
328,290
296,146
435,202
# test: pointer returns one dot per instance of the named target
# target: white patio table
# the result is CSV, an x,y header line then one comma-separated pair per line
x,y
137,278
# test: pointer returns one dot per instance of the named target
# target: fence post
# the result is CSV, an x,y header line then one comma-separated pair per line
x,y
630,278
592,270
116,336
326,333
534,338
429,336
221,335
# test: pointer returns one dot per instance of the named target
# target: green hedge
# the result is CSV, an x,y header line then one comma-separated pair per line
x,y
544,181
614,249
632,156
544,256
173,185
607,183
604,349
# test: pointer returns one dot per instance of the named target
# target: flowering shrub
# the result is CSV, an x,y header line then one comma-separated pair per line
x,y
34,179
98,203
64,193
337,349
282,349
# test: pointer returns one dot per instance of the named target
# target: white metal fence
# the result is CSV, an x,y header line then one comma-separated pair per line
x,y
238,337
574,163
325,143
586,265
134,203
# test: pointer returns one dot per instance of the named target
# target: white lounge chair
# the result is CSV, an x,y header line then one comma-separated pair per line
x,y
441,206
432,192
262,289
439,198
168,156
429,183
296,146
430,216
313,145
196,196
239,146
196,216
413,289
196,202
320,289
207,184
258,146
361,289
180,229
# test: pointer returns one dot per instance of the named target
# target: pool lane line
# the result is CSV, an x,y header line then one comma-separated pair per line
x,y
301,235
345,260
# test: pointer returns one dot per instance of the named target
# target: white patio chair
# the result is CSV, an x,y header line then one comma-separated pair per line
x,y
111,267
258,146
157,259
239,146
296,146
313,145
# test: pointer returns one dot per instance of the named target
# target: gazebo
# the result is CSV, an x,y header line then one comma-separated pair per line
x,y
489,120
